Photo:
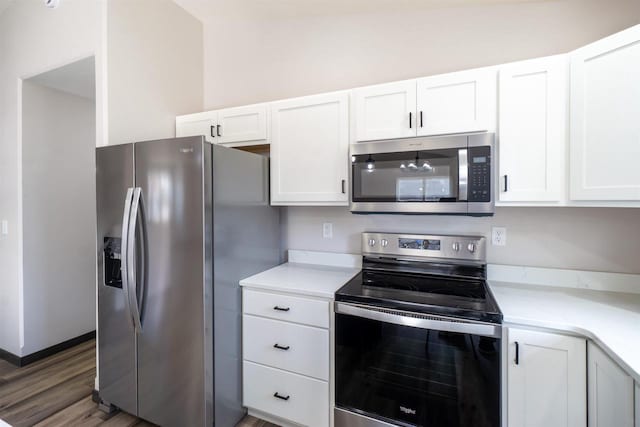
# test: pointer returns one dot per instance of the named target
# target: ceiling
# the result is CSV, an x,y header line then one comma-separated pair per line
x,y
77,78
204,9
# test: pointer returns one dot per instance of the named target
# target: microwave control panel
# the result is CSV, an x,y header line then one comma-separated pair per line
x,y
479,174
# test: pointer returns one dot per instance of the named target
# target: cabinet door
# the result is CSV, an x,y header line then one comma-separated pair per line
x,y
546,380
532,130
243,124
610,392
198,124
309,150
605,107
385,111
457,102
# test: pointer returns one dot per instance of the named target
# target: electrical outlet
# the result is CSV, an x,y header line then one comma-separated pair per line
x,y
499,236
327,230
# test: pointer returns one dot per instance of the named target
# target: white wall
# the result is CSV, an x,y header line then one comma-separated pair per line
x,y
598,239
155,68
261,51
59,216
33,39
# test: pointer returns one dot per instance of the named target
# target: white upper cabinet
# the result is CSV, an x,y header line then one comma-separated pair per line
x,y
532,130
610,392
309,150
546,377
235,126
385,111
198,124
242,125
457,102
605,119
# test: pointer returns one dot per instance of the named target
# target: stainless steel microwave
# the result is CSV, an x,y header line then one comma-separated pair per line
x,y
450,174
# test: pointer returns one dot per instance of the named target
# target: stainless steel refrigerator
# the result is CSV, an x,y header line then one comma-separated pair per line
x,y
180,222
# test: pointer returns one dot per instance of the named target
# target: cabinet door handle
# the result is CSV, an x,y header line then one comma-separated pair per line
x,y
281,308
421,119
343,183
506,183
213,135
280,396
218,130
410,119
517,360
281,347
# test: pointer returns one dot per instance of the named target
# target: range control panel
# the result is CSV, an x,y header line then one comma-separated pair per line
x,y
470,248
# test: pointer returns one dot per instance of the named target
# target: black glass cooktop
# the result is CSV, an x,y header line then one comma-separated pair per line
x,y
431,289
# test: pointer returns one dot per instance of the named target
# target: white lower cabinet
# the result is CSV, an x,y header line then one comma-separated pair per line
x,y
286,357
285,395
611,392
546,379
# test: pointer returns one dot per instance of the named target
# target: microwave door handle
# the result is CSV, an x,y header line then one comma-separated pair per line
x,y
463,175
124,266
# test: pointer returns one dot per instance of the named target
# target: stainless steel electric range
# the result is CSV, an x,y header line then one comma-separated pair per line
x,y
418,335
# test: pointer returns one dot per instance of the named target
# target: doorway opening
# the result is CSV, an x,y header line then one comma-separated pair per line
x,y
58,207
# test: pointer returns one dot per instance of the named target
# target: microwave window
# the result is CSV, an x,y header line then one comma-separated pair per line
x,y
406,177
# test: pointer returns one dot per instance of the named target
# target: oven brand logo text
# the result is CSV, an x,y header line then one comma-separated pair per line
x,y
408,411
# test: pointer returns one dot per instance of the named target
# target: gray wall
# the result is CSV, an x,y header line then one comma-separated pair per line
x,y
288,49
59,216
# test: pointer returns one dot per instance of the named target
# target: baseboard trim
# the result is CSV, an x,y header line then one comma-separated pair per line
x,y
49,351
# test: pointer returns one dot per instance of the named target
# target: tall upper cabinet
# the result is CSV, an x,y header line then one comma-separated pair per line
x,y
605,119
310,150
235,126
532,130
449,103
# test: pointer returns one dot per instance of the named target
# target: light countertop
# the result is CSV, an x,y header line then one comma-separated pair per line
x,y
610,319
304,279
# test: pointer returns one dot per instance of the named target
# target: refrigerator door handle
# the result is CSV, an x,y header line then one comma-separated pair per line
x,y
124,266
131,259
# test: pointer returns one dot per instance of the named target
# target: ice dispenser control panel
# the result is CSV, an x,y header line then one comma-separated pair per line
x,y
112,266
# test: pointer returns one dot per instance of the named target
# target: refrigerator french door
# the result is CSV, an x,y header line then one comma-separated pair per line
x,y
155,319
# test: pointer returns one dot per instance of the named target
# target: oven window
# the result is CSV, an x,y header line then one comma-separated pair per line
x,y
416,176
417,377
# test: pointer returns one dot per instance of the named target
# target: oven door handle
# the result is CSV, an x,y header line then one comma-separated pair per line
x,y
463,175
422,321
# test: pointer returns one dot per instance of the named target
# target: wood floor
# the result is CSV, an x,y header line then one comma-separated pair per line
x,y
56,391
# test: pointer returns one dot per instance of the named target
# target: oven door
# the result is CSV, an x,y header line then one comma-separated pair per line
x,y
415,371
423,175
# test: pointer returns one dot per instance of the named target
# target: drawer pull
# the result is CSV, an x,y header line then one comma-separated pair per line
x,y
280,347
281,308
280,397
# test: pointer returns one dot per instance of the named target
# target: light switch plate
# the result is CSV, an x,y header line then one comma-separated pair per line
x,y
499,236
5,227
327,230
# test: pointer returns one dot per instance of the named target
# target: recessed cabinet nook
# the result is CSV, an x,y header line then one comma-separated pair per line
x,y
567,127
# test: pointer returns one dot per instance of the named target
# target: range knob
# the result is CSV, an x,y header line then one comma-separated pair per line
x,y
372,242
455,246
471,247
384,243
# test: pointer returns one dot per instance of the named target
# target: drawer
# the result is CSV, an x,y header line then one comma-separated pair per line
x,y
301,349
284,307
307,400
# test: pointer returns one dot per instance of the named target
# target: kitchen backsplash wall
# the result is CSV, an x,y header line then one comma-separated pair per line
x,y
597,239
